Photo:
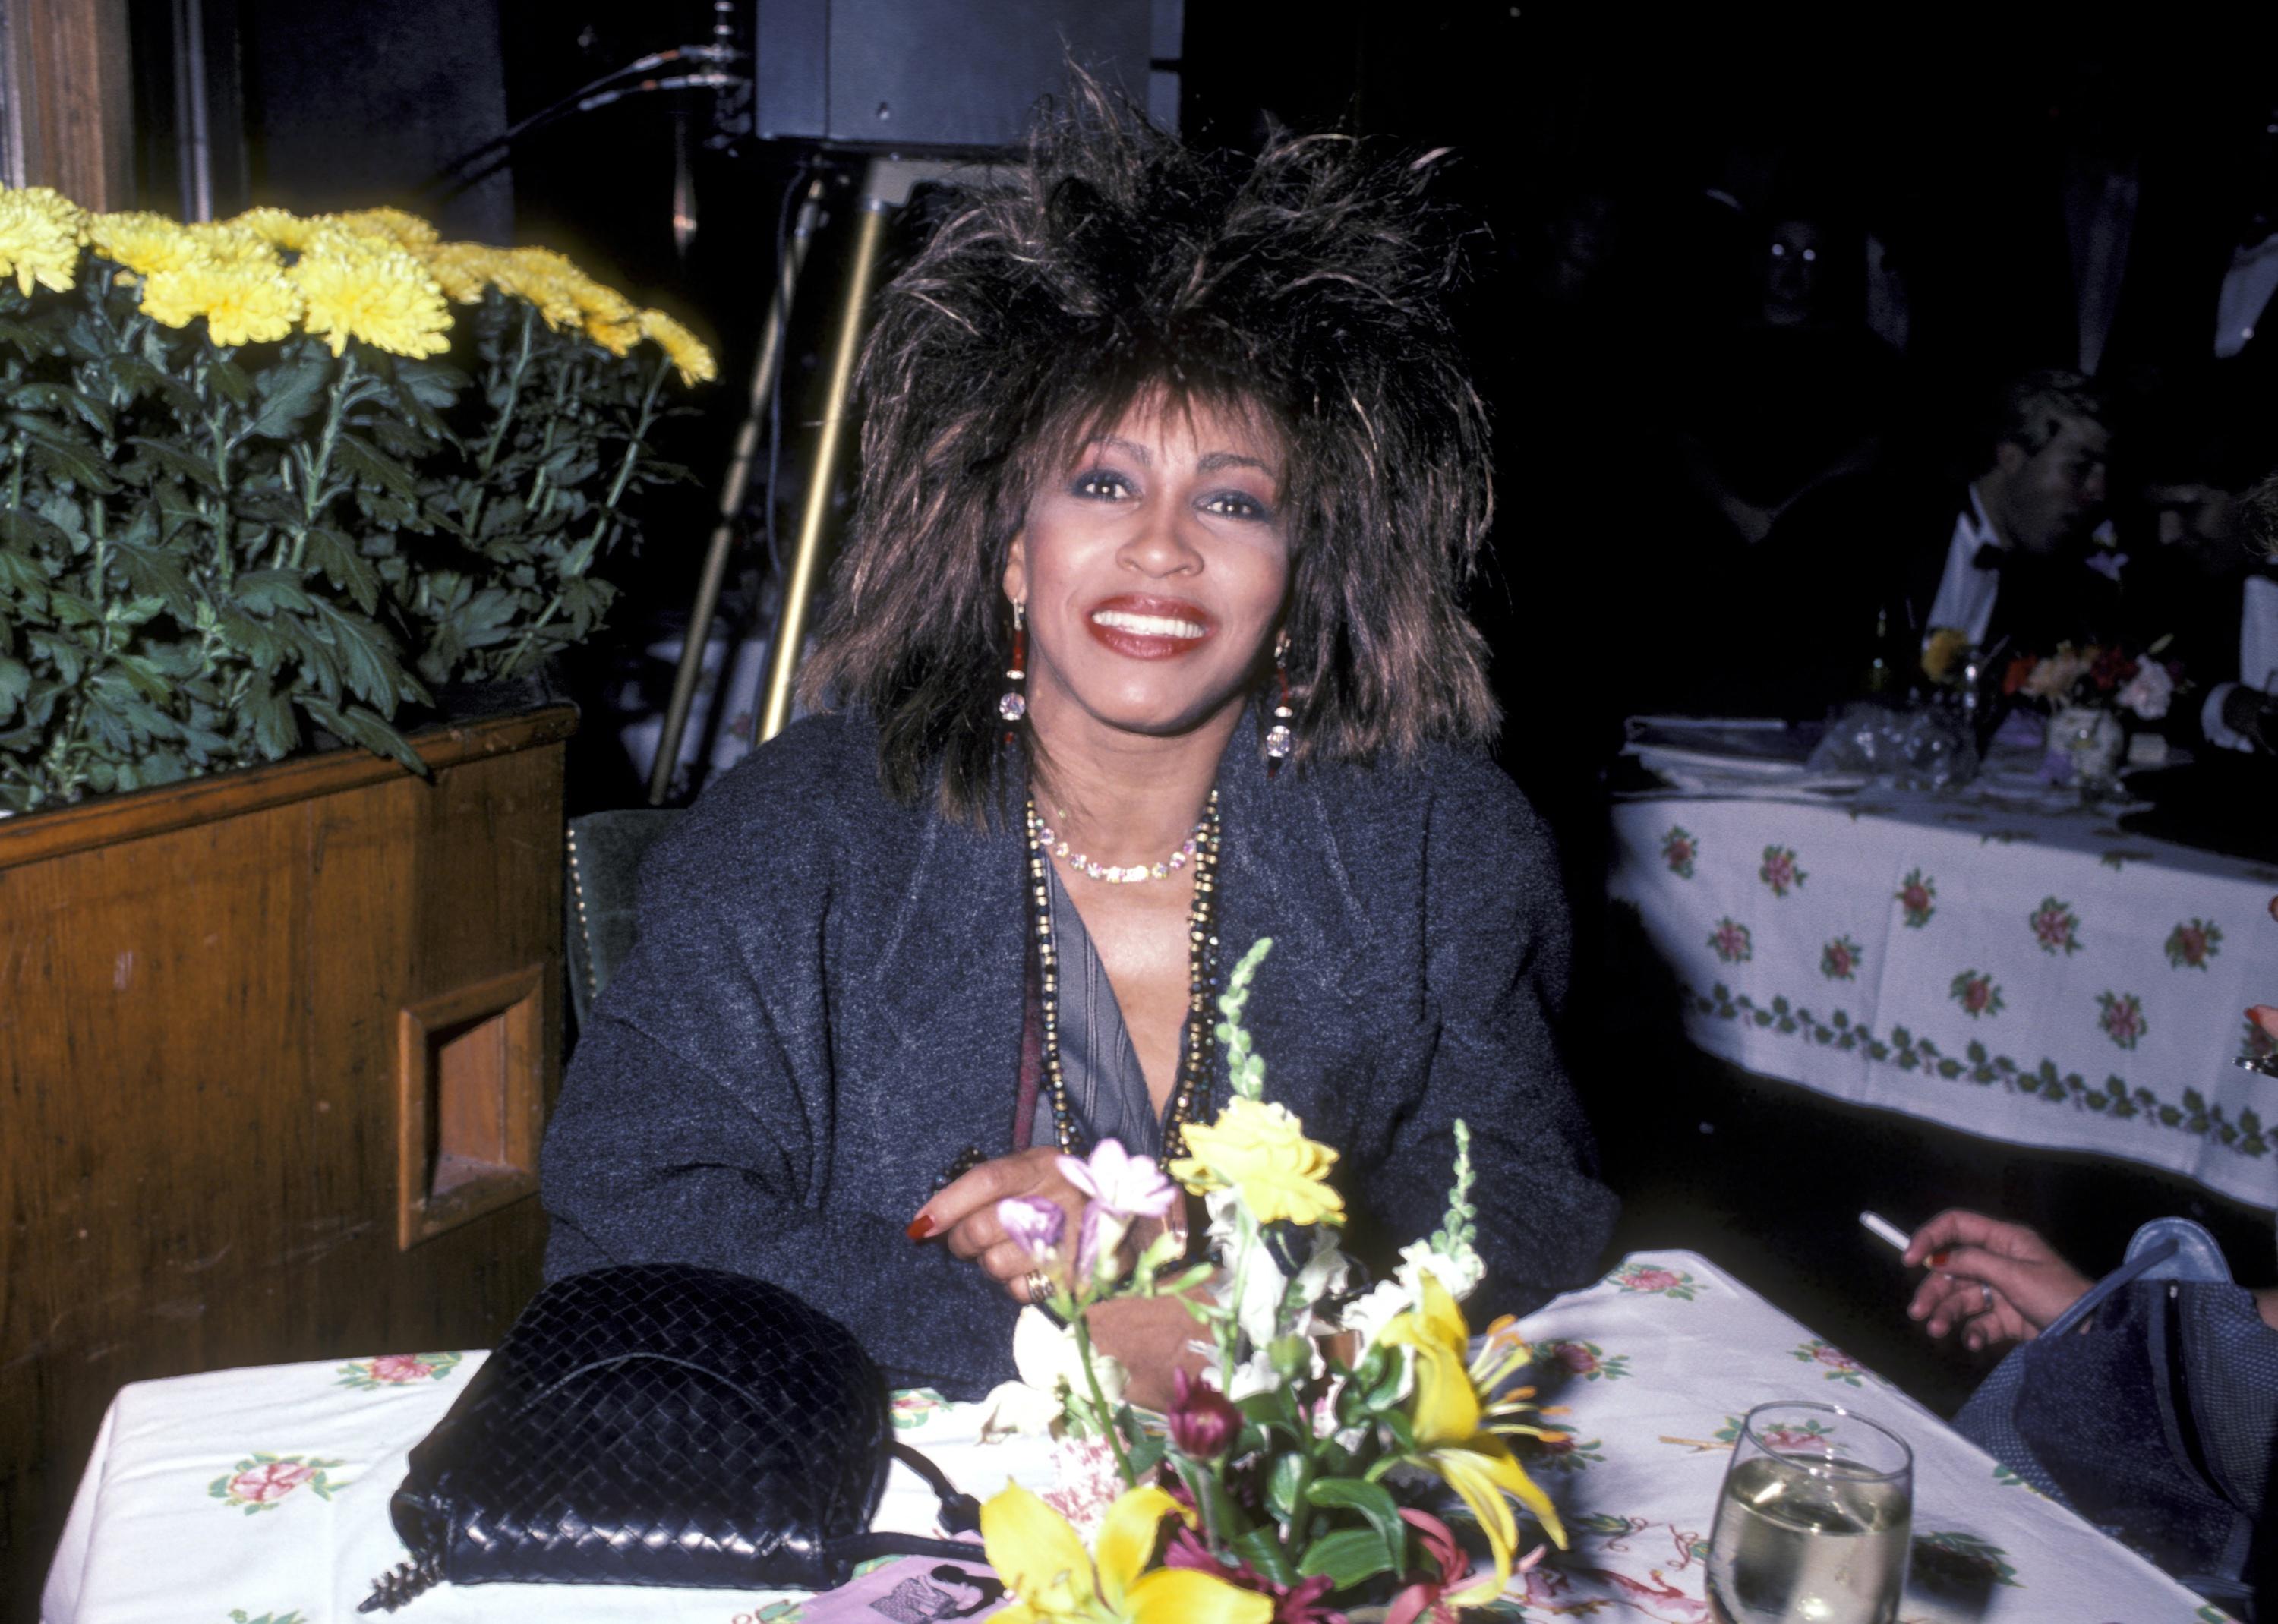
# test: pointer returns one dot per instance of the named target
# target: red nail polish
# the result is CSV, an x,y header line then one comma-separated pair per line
x,y
920,1227
1937,1259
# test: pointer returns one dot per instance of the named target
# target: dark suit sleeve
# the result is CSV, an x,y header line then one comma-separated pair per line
x,y
694,1123
1498,957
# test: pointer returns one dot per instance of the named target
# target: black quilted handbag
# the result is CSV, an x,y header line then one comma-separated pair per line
x,y
660,1424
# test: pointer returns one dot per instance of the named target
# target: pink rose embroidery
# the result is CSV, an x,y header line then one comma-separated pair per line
x,y
261,1481
2055,927
2121,1017
272,1481
1977,993
1646,1279
1730,942
1917,894
2191,943
1679,847
1588,1360
396,1370
1838,961
1840,1366
1779,871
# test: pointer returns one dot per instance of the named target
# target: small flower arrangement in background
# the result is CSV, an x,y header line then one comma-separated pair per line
x,y
2103,675
1285,1481
276,471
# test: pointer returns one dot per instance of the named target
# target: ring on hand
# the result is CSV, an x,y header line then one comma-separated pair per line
x,y
1039,1286
1986,1291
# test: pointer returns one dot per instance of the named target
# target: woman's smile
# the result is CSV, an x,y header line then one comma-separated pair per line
x,y
1143,627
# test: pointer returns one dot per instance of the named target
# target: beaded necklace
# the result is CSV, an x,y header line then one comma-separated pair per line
x,y
1201,981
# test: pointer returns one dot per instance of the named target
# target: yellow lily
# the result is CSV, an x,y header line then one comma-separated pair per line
x,y
1460,1438
1044,1565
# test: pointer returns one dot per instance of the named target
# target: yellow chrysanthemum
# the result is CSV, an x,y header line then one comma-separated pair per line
x,y
612,320
685,349
279,227
242,303
40,234
228,243
464,271
382,297
1260,1148
405,230
142,241
545,280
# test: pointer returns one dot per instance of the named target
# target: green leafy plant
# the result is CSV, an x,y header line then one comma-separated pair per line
x,y
208,548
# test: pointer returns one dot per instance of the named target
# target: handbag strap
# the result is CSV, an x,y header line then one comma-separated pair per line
x,y
2159,1252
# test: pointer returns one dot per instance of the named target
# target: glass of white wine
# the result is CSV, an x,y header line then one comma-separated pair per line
x,y
1812,1524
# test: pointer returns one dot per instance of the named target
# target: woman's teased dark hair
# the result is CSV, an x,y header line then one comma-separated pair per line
x,y
1114,266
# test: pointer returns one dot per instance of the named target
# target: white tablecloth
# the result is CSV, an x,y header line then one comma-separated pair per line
x,y
253,1495
2040,979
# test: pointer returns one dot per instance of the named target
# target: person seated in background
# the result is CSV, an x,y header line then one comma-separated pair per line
x,y
1145,644
1795,396
1776,415
1999,1282
2018,565
2238,534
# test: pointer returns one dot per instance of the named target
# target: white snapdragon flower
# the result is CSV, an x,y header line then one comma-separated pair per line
x,y
1460,1274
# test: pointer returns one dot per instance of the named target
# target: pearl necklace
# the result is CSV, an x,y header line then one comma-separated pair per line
x,y
1202,977
1044,835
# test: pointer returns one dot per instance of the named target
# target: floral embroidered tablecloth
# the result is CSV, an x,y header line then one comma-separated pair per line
x,y
2043,978
260,1496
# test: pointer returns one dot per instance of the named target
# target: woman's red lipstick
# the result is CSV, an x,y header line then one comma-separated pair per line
x,y
1139,642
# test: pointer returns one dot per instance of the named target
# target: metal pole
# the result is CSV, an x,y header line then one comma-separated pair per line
x,y
799,592
764,371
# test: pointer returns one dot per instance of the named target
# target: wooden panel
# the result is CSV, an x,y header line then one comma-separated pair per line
x,y
198,1127
469,1103
70,93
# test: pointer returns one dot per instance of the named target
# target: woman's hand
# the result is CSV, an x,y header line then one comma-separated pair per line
x,y
964,1215
2001,1282
1151,1336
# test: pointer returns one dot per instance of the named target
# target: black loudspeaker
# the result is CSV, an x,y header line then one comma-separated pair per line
x,y
951,75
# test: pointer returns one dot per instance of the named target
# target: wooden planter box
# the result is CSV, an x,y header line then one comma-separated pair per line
x,y
275,1050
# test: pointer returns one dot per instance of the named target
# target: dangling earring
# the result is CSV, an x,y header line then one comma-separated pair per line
x,y
1010,705
1278,740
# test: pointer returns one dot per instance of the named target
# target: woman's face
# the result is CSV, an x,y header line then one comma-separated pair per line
x,y
1153,566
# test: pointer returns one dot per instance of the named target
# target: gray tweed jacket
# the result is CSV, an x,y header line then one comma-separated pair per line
x,y
826,1004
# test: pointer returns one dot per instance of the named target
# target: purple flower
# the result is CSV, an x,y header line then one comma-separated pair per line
x,y
1032,1224
1129,1187
1202,1424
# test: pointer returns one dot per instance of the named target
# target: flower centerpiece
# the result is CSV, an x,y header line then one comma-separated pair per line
x,y
276,473
1302,1470
2088,692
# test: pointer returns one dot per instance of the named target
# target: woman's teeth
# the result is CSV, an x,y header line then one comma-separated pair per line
x,y
1149,625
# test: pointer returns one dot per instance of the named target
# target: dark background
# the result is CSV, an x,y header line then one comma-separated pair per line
x,y
1623,169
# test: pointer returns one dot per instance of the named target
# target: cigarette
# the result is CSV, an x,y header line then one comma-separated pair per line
x,y
1882,1229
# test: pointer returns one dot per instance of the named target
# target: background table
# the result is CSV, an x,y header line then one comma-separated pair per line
x,y
251,1495
2043,978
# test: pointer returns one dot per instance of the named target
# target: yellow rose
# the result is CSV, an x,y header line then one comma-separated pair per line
x,y
1260,1149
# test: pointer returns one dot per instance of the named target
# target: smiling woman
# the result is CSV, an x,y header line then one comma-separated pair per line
x,y
1146,639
